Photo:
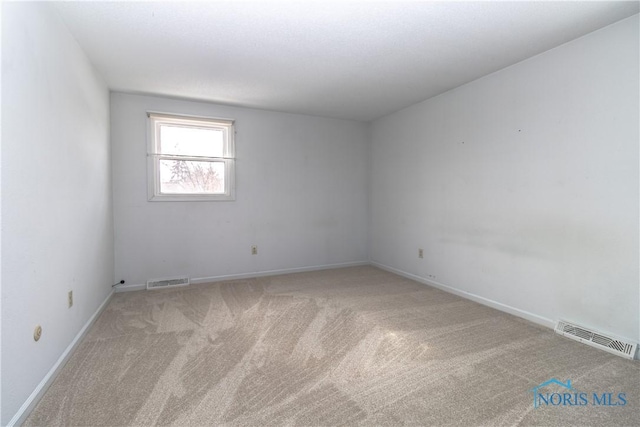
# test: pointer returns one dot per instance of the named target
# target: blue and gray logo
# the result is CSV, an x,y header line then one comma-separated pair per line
x,y
569,396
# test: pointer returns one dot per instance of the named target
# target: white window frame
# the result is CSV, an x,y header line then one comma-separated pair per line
x,y
154,156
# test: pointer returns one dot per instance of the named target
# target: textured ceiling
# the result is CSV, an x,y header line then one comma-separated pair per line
x,y
354,60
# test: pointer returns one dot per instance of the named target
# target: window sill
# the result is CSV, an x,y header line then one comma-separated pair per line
x,y
192,198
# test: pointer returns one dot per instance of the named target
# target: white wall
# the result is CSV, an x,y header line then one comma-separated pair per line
x,y
522,187
57,227
301,196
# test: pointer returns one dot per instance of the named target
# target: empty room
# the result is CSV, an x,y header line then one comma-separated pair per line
x,y
320,213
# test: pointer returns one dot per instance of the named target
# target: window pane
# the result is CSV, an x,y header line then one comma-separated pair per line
x,y
191,177
191,141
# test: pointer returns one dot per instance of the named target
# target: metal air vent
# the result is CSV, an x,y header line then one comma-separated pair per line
x,y
167,283
599,340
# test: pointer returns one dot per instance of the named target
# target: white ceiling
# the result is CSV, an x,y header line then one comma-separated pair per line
x,y
354,60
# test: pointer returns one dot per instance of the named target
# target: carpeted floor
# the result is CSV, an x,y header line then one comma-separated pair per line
x,y
352,346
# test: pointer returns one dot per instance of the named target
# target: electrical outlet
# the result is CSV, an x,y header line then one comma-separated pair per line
x,y
420,253
254,250
70,298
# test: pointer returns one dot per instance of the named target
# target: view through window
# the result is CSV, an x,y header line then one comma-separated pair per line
x,y
191,158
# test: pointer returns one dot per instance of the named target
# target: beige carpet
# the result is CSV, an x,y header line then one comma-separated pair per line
x,y
352,346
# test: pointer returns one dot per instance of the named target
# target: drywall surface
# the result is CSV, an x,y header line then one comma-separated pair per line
x,y
300,196
57,224
522,187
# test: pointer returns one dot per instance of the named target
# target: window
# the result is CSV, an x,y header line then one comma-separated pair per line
x,y
190,158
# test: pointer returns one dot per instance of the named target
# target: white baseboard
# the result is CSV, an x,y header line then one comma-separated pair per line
x,y
543,321
42,387
129,288
200,280
211,279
